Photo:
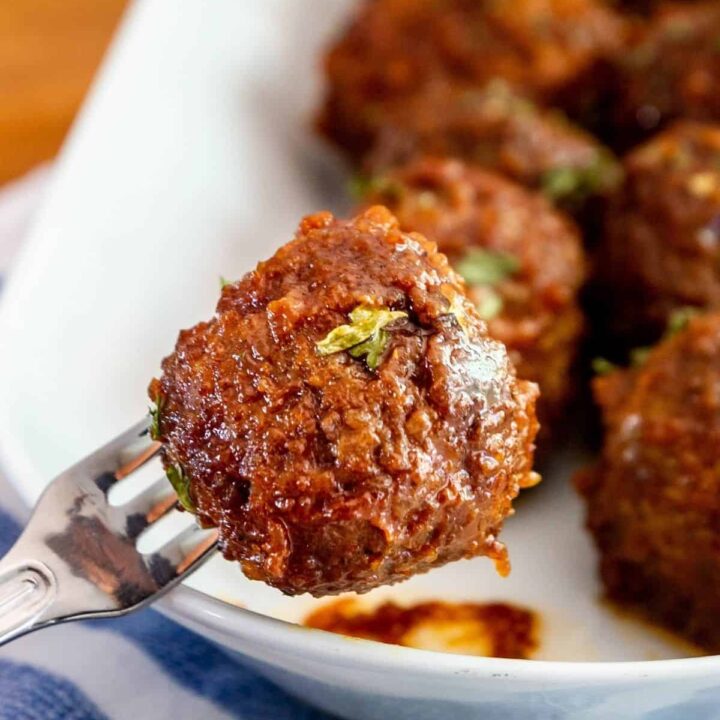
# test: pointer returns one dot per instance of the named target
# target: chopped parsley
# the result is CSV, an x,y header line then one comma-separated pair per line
x,y
372,349
573,185
486,269
363,186
497,97
224,282
603,366
490,305
181,484
639,355
559,182
677,322
155,417
364,336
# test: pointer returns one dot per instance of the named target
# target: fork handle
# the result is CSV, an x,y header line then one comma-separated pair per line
x,y
26,591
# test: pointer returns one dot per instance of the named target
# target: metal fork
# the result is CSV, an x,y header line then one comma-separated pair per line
x,y
78,556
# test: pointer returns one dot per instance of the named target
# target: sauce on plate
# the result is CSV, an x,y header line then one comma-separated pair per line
x,y
485,629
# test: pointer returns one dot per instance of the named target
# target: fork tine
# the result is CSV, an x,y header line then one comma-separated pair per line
x,y
79,556
185,549
136,462
147,507
116,459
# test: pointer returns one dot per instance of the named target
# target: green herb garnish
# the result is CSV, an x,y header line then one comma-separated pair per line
x,y
363,335
560,182
679,320
486,267
490,305
603,366
224,282
181,484
155,415
496,96
639,355
372,349
573,185
362,186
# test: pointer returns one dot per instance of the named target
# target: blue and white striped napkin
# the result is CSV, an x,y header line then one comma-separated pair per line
x,y
143,667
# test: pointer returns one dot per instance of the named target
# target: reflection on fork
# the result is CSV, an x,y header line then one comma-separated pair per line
x,y
79,555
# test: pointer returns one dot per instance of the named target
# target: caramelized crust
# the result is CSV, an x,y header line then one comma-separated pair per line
x,y
392,48
322,474
661,245
654,497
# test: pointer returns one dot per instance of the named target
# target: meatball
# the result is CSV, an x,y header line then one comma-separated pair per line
x,y
671,72
653,498
661,244
344,420
392,48
495,128
522,260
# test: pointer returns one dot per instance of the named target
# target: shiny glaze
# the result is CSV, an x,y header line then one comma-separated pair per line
x,y
321,474
654,496
460,207
661,246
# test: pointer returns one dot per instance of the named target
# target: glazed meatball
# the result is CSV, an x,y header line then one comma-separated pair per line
x,y
392,48
661,245
522,260
671,72
344,419
653,499
495,128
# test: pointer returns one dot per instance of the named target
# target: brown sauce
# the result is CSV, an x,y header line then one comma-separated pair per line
x,y
485,629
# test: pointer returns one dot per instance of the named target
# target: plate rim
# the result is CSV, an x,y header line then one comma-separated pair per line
x,y
220,616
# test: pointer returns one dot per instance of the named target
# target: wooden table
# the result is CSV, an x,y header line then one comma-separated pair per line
x,y
49,51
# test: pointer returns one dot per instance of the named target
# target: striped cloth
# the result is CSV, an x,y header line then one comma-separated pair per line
x,y
138,667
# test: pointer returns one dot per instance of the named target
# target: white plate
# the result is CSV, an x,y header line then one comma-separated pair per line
x,y
193,159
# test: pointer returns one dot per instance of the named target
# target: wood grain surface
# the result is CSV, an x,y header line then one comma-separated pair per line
x,y
49,52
